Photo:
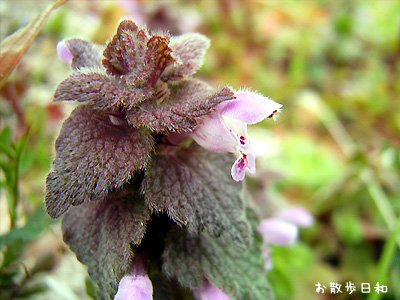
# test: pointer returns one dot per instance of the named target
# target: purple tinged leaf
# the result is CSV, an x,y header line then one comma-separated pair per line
x,y
189,100
278,232
157,58
101,233
100,91
207,291
296,215
84,53
241,274
188,184
92,157
125,49
135,57
188,51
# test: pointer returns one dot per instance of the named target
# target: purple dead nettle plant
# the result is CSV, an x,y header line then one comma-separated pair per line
x,y
148,210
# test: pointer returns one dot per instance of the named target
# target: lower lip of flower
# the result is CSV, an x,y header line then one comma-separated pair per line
x,y
244,159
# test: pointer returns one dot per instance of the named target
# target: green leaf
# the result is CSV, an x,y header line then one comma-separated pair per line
x,y
5,136
195,188
91,288
34,226
5,142
348,226
240,273
7,168
27,292
101,234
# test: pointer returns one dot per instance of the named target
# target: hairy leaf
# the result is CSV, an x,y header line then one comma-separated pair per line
x,y
123,52
188,50
92,157
195,188
135,57
85,54
158,57
190,258
101,233
188,101
100,91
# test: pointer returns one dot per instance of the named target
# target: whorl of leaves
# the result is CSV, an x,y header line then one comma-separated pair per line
x,y
124,50
135,54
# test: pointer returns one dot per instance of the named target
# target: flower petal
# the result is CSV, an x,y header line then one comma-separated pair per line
x,y
251,161
213,134
207,291
63,52
278,232
249,107
237,128
268,259
135,287
238,170
296,215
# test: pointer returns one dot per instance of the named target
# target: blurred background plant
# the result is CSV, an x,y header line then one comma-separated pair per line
x,y
334,150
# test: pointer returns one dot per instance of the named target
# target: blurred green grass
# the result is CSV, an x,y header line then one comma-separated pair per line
x,y
335,67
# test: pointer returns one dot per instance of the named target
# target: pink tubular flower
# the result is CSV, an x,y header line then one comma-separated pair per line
x,y
296,215
136,284
225,129
282,229
207,291
278,232
135,287
63,52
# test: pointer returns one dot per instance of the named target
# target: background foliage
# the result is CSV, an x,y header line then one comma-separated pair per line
x,y
334,65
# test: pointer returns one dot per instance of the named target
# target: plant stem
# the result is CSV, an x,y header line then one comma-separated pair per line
x,y
381,200
388,252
